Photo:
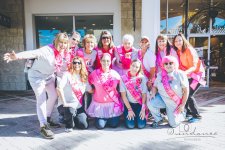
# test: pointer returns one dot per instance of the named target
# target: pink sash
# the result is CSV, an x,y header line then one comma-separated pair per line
x,y
125,61
168,89
147,74
59,58
158,61
107,86
197,78
134,87
77,93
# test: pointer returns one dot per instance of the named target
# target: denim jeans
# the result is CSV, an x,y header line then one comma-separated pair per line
x,y
137,121
100,123
74,117
156,103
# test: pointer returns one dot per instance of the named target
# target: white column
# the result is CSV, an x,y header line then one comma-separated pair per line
x,y
29,30
151,20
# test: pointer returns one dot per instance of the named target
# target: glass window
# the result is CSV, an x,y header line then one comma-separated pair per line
x,y
218,22
163,10
93,24
176,18
48,26
198,17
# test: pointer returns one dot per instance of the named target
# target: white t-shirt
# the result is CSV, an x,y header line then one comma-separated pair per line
x,y
70,97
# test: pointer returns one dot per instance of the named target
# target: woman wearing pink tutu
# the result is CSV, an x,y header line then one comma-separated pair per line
x,y
106,106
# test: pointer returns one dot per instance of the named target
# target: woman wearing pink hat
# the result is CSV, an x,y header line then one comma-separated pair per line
x,y
172,87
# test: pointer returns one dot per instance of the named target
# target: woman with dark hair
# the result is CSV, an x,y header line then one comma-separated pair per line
x,y
105,45
71,91
133,91
163,48
190,63
106,105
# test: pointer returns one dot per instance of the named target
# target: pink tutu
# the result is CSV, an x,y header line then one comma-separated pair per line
x,y
104,110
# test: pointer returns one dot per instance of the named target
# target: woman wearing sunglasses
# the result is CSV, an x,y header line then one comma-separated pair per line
x,y
48,60
106,105
193,68
105,45
71,91
170,91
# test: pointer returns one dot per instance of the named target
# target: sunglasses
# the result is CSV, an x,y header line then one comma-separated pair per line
x,y
168,63
76,62
75,39
105,37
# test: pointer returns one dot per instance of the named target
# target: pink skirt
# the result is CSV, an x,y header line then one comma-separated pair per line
x,y
104,110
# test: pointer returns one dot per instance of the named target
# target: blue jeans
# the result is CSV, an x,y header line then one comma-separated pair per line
x,y
113,122
155,104
137,121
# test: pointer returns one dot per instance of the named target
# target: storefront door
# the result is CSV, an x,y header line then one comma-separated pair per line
x,y
202,45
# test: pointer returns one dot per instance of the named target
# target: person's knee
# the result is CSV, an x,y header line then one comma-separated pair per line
x,y
100,123
130,125
141,124
114,122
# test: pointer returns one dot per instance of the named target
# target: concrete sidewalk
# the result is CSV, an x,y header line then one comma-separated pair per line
x,y
19,128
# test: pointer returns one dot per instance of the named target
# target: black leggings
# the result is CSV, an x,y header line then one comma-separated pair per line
x,y
74,117
191,105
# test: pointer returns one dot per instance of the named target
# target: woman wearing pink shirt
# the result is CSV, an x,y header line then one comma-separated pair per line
x,y
106,106
125,54
163,48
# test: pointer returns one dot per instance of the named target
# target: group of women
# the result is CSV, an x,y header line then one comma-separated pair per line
x,y
121,80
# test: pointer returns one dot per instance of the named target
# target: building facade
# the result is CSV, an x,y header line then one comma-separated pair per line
x,y
34,23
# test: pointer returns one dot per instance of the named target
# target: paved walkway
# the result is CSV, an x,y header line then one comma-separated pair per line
x,y
19,128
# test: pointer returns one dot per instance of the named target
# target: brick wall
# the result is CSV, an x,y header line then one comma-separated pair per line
x,y
12,76
127,19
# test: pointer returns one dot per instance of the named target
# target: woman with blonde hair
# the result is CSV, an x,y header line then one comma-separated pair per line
x,y
88,51
48,60
133,91
71,91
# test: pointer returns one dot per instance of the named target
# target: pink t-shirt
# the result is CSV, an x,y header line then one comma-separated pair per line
x,y
105,85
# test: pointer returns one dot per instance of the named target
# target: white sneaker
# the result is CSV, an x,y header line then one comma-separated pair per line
x,y
68,129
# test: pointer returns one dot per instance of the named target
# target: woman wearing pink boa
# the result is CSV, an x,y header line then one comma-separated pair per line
x,y
172,87
106,106
124,54
163,48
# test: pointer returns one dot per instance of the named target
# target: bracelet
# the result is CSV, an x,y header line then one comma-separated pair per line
x,y
143,106
129,109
